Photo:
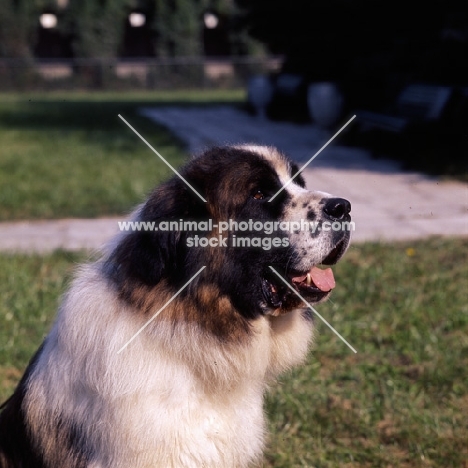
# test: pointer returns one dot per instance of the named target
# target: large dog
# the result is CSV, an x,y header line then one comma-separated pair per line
x,y
188,390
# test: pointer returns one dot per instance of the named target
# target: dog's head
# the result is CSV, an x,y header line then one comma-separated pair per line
x,y
289,235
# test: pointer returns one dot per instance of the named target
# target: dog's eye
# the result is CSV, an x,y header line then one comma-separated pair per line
x,y
258,195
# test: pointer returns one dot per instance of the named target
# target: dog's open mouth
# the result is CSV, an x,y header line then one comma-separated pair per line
x,y
315,280
312,285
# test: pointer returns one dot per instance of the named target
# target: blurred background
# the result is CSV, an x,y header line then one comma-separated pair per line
x,y
363,45
190,73
401,65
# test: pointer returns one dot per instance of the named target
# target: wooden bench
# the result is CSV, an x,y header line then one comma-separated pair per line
x,y
417,104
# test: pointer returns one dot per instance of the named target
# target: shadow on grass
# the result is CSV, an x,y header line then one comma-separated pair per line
x,y
99,111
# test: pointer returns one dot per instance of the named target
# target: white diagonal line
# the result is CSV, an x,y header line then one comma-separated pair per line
x,y
162,159
312,158
313,310
161,309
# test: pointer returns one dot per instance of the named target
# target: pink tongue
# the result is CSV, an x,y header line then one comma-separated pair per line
x,y
323,279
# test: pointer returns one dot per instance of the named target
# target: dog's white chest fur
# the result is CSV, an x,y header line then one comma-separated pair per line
x,y
168,399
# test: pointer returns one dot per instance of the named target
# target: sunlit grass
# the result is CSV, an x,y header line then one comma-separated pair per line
x,y
401,401
69,155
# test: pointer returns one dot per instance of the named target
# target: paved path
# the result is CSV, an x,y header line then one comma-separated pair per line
x,y
46,236
387,203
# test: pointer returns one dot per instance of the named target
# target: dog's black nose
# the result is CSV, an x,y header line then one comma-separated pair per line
x,y
336,208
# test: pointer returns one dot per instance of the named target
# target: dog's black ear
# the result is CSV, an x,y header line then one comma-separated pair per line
x,y
143,257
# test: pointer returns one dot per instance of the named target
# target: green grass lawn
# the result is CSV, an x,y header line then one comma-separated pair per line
x,y
401,401
69,155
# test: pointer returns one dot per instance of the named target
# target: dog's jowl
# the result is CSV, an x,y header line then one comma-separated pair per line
x,y
187,390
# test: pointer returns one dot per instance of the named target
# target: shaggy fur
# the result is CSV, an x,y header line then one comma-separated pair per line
x,y
188,391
